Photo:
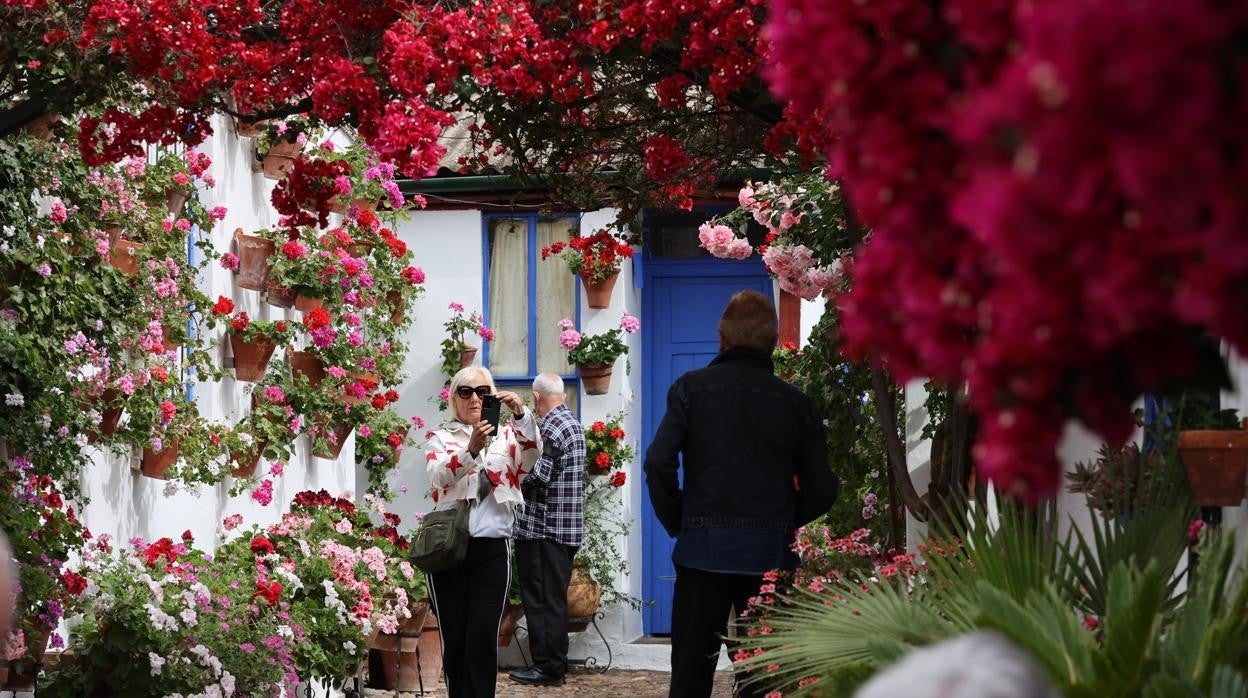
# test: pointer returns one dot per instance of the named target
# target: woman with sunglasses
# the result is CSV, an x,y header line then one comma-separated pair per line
x,y
468,461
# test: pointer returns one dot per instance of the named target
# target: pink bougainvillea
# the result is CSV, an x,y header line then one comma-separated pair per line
x,y
1053,206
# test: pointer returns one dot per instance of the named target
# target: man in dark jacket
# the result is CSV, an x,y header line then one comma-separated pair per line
x,y
756,468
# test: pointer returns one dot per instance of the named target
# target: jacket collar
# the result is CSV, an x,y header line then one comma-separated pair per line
x,y
745,355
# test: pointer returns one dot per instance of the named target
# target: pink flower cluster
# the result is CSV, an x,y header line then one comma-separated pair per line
x,y
1091,229
721,242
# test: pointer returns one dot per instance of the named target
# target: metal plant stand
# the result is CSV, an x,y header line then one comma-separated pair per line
x,y
577,625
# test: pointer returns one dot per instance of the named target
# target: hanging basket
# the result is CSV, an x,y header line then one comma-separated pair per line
x,y
175,200
327,449
1216,464
305,363
598,293
584,596
245,463
595,378
253,260
398,307
466,356
124,257
307,303
251,358
156,463
109,416
281,296
280,159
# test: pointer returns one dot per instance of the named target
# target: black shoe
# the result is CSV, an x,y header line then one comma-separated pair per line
x,y
535,677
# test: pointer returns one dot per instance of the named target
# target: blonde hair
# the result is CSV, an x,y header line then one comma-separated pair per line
x,y
462,377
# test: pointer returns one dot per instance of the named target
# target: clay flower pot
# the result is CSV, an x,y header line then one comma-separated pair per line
x,y
466,356
1217,465
281,296
595,378
251,358
109,416
398,307
253,260
280,159
175,200
305,363
245,463
306,303
598,293
330,448
156,463
583,598
124,257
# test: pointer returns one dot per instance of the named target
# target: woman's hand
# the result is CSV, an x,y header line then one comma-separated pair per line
x,y
512,401
480,433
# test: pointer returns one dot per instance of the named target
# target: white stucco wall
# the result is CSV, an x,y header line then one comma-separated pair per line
x,y
123,502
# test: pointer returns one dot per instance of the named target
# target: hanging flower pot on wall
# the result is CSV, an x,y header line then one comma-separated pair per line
x,y
598,293
251,358
281,296
398,307
306,303
466,356
280,159
245,463
331,439
109,416
1217,465
124,257
253,260
595,378
156,463
305,363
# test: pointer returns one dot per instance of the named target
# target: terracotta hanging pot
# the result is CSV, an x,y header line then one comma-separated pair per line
x,y
595,378
466,356
327,448
598,293
280,159
251,358
281,296
507,627
247,129
306,303
124,257
245,463
253,260
1217,465
41,127
398,307
175,200
305,363
157,463
109,416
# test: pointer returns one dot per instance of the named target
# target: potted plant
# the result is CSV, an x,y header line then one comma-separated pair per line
x,y
252,341
456,352
605,449
380,439
596,260
786,358
598,560
1214,448
280,142
338,179
317,269
252,258
594,355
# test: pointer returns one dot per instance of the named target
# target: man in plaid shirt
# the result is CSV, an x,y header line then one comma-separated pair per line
x,y
548,532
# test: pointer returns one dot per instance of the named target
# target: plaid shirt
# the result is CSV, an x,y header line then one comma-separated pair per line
x,y
554,492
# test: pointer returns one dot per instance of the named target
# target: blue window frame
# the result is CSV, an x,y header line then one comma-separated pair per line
x,y
525,298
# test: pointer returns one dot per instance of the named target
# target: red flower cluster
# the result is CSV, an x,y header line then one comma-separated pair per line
x,y
316,318
593,256
271,592
304,197
321,498
1091,229
261,545
163,547
664,158
223,306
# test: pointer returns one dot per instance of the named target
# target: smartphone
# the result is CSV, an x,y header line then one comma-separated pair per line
x,y
491,408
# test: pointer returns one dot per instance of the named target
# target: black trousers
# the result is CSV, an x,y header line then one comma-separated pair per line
x,y
700,610
545,569
468,601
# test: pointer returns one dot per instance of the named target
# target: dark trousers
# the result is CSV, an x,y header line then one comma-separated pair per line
x,y
545,569
700,610
468,601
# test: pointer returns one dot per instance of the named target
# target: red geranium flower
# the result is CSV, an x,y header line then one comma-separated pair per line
x,y
240,322
618,478
261,545
224,306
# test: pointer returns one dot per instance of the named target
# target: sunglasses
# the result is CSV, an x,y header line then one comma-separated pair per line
x,y
466,391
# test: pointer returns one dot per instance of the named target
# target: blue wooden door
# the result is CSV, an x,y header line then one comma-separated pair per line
x,y
682,301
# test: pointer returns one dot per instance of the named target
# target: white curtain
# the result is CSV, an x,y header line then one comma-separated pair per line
x,y
556,297
509,297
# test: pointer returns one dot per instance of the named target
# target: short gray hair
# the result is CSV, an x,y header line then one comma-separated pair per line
x,y
548,384
463,376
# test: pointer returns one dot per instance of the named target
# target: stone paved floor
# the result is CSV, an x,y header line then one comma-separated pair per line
x,y
582,684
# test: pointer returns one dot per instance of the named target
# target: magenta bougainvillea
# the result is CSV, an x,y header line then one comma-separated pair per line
x,y
1056,208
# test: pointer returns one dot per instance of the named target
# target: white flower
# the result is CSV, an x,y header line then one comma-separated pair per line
x,y
14,399
156,661
285,631
227,683
188,616
349,646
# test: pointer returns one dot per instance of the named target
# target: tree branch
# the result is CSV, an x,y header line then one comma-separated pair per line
x,y
893,447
